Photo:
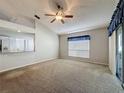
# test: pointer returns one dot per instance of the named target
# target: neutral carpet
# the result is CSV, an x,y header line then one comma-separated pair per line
x,y
60,76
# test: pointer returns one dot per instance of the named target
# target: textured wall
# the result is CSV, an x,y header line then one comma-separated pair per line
x,y
46,48
98,46
112,53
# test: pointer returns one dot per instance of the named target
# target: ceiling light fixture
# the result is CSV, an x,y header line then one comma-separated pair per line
x,y
58,17
18,31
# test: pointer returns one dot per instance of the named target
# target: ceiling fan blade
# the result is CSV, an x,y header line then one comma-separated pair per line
x,y
53,20
58,6
36,16
68,16
50,15
62,21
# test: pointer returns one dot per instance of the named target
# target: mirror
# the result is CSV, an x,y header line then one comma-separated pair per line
x,y
16,41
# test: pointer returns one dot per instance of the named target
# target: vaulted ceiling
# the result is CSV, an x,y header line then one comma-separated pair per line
x,y
88,14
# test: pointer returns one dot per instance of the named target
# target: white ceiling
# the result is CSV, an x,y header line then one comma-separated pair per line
x,y
88,14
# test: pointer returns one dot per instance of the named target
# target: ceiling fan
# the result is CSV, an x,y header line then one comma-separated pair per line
x,y
60,15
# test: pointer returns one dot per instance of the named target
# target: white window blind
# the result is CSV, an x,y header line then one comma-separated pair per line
x,y
79,46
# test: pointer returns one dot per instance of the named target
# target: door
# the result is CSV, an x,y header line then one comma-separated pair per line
x,y
119,53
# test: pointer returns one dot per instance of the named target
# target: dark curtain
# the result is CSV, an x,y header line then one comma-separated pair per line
x,y
77,38
117,18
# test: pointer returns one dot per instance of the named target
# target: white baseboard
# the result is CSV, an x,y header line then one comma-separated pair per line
x,y
39,61
99,63
92,62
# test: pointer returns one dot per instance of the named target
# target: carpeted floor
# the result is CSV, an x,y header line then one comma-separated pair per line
x,y
60,76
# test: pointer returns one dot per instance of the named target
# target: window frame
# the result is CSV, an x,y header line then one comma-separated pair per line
x,y
80,38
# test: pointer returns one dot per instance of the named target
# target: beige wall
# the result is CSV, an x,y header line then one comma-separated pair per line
x,y
112,53
46,48
98,46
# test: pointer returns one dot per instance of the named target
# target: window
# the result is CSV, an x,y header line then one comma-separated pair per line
x,y
12,44
79,46
16,45
29,44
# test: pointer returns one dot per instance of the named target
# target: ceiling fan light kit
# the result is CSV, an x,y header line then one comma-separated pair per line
x,y
59,16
